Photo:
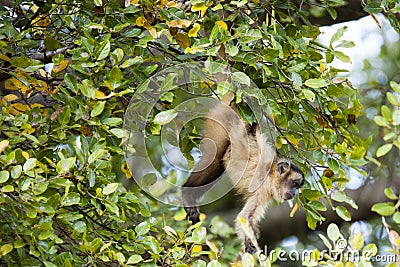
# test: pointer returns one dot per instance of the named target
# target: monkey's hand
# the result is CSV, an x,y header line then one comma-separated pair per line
x,y
249,246
193,214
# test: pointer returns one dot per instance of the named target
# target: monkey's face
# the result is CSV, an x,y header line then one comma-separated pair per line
x,y
290,179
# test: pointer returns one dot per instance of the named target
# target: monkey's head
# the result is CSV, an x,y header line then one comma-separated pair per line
x,y
288,179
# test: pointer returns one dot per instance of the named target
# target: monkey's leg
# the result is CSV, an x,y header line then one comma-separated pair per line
x,y
252,212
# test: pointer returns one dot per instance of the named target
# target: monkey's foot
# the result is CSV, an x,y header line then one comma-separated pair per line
x,y
249,246
193,214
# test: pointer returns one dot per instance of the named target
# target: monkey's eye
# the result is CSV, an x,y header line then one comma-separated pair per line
x,y
296,183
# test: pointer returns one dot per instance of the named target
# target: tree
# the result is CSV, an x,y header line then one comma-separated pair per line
x,y
68,73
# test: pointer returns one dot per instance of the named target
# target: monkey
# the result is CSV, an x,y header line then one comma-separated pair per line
x,y
239,149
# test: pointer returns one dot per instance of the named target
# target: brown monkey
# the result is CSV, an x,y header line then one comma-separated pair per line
x,y
230,145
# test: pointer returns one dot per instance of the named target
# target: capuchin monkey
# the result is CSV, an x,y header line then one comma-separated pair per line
x,y
240,150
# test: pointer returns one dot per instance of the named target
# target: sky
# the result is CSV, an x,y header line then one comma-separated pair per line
x,y
368,38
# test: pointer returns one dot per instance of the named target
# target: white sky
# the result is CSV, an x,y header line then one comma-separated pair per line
x,y
368,39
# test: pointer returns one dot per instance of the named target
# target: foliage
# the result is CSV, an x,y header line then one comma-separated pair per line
x,y
69,68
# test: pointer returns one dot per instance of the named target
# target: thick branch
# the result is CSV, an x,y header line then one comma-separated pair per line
x,y
7,3
46,57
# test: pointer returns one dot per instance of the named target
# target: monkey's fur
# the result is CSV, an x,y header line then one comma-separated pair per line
x,y
230,145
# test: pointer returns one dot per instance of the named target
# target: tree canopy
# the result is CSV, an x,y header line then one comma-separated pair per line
x,y
68,72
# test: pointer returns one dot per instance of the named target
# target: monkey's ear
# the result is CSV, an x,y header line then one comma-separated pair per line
x,y
283,166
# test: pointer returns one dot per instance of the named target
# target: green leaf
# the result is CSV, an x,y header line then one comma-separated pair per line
x,y
64,116
110,188
341,56
5,249
134,259
98,153
116,56
80,227
241,78
339,196
386,112
395,86
142,228
71,82
356,241
131,61
333,232
380,121
98,109
392,99
7,188
396,117
224,87
16,171
154,245
29,164
396,217
168,83
198,235
383,150
370,249
49,264
20,62
311,194
45,234
316,83
231,50
339,34
343,213
65,165
247,260
118,132
115,78
4,176
214,263
71,199
373,7
384,209
310,96
333,165
51,44
165,116
389,193
103,50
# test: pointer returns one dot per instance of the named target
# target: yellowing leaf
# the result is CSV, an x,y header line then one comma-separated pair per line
x,y
180,215
99,95
25,155
41,21
182,40
4,58
293,211
60,67
357,241
181,23
195,29
202,7
15,84
221,24
197,248
142,22
18,108
10,97
212,246
3,145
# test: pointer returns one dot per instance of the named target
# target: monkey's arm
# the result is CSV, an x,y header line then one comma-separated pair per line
x,y
214,144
